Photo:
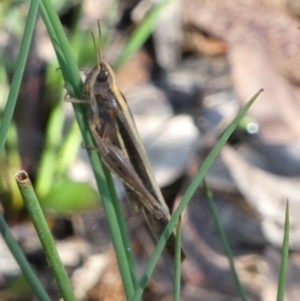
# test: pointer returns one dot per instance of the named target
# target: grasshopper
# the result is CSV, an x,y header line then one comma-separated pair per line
x,y
121,149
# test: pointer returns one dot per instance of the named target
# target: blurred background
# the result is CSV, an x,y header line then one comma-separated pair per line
x,y
185,80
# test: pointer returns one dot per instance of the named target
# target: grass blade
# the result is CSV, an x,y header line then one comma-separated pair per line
x,y
284,257
40,224
46,171
140,35
18,74
187,197
22,261
105,185
177,280
224,241
62,47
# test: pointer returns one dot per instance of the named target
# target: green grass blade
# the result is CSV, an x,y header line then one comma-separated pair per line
x,y
12,148
224,242
69,149
40,224
187,197
62,47
177,261
4,85
58,51
21,259
284,257
18,74
141,34
48,160
121,245
123,230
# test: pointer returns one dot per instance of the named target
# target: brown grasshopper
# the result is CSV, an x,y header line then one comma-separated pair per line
x,y
122,151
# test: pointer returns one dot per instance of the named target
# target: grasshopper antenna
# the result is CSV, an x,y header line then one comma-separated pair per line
x,y
100,41
98,46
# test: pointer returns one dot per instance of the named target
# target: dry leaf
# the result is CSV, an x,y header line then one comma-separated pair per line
x,y
267,194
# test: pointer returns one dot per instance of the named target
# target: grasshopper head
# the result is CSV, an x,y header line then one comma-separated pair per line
x,y
103,74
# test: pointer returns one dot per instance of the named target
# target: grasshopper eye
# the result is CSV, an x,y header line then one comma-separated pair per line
x,y
102,76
